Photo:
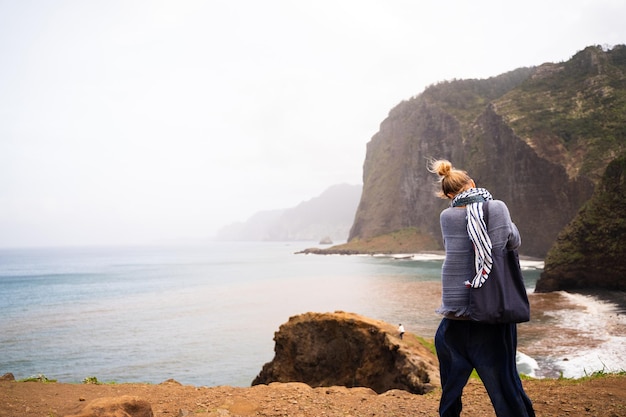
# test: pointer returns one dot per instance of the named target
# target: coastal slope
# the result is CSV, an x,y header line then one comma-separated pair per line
x,y
599,396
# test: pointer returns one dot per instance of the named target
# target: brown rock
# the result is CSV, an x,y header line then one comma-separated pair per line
x,y
7,377
125,406
345,349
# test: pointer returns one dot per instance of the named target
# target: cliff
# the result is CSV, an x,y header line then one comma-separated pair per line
x,y
324,350
590,251
538,138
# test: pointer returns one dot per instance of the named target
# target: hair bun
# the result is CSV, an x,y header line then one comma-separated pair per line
x,y
442,167
452,180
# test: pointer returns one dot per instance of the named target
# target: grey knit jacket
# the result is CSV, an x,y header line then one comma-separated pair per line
x,y
458,265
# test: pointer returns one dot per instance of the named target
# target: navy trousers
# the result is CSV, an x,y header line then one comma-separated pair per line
x,y
464,345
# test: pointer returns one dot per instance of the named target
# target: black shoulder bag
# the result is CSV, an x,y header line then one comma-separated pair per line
x,y
502,297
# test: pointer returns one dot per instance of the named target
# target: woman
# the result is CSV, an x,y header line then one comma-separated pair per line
x,y
462,344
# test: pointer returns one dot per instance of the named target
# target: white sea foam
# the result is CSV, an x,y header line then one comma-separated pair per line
x,y
531,264
600,327
428,257
526,365
413,256
394,256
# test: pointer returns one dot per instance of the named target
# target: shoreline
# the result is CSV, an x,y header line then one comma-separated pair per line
x,y
390,253
74,335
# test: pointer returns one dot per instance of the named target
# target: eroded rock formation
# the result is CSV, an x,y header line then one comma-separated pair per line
x,y
345,349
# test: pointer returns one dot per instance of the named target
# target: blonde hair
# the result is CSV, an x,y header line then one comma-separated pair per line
x,y
452,180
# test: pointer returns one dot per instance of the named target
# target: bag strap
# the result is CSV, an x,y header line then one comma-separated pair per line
x,y
486,214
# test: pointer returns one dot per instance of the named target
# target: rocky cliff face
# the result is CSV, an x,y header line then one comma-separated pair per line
x,y
591,250
349,350
537,138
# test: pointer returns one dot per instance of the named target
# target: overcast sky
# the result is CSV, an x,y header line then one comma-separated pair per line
x,y
129,121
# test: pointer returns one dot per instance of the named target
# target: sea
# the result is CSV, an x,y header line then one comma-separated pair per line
x,y
206,314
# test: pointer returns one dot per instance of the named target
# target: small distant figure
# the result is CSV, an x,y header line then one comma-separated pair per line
x,y
401,330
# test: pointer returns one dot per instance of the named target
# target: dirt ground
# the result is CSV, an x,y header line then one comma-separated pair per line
x,y
602,396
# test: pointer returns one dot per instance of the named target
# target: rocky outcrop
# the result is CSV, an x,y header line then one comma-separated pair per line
x,y
537,138
124,406
344,349
591,250
405,241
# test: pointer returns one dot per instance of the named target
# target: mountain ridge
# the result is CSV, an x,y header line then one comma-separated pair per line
x,y
328,215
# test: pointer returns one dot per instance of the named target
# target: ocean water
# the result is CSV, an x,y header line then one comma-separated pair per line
x,y
206,315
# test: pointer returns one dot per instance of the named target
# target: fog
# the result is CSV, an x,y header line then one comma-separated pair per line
x,y
131,122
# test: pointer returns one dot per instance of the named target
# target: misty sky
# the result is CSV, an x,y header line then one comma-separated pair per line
x,y
127,121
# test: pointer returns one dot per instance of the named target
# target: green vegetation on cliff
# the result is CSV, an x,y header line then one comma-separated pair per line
x,y
467,99
573,113
538,138
590,252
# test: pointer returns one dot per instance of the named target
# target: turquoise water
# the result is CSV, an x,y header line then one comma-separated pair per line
x,y
203,315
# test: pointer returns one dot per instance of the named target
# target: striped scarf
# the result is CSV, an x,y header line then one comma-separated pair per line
x,y
473,200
